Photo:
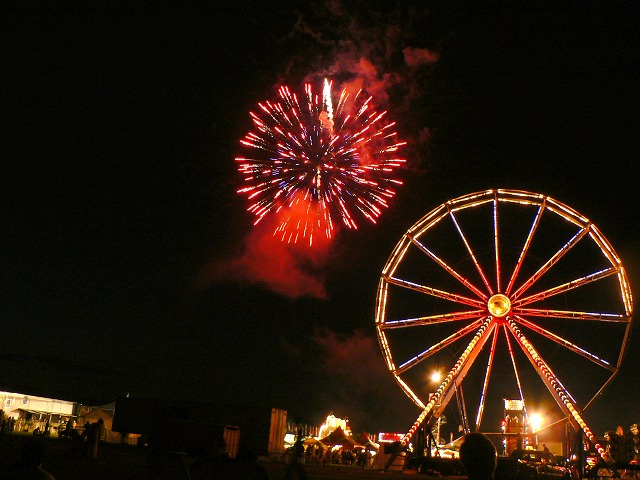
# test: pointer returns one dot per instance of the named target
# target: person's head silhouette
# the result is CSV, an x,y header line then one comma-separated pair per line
x,y
478,456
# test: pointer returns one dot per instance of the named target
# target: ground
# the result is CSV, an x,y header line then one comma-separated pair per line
x,y
66,461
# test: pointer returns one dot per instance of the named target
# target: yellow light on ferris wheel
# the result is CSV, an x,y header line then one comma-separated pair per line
x,y
499,305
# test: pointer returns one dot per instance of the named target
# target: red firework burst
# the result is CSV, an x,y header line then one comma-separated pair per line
x,y
314,166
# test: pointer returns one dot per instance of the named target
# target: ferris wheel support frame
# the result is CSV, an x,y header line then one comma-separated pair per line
x,y
441,397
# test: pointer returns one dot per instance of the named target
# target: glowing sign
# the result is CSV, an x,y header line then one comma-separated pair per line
x,y
514,405
389,437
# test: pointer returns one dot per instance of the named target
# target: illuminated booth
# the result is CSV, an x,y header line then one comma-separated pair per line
x,y
332,423
30,413
513,425
335,443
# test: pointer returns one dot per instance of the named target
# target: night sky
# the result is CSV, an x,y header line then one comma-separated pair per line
x,y
130,263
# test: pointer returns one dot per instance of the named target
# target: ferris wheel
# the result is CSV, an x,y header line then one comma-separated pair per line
x,y
512,292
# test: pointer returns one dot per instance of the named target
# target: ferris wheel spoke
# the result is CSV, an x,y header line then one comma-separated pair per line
x,y
565,287
449,269
515,367
525,247
434,292
431,320
566,343
572,315
487,374
473,257
495,239
551,262
437,347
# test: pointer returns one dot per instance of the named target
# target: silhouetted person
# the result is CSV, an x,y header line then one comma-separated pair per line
x,y
91,430
478,456
99,432
69,429
30,466
294,469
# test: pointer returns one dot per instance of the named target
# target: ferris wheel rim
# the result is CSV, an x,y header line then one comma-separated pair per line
x,y
502,302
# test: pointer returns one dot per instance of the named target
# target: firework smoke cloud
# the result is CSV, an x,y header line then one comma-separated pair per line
x,y
328,155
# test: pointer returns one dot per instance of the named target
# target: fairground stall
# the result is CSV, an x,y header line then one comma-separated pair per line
x,y
30,413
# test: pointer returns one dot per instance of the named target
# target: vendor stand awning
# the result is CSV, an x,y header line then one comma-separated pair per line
x,y
338,437
42,412
312,441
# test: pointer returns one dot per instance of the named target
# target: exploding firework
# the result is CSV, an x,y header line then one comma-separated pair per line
x,y
316,166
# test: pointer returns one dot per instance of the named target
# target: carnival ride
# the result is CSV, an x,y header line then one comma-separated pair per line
x,y
507,269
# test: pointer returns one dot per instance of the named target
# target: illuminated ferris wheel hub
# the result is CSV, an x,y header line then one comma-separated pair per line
x,y
499,305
